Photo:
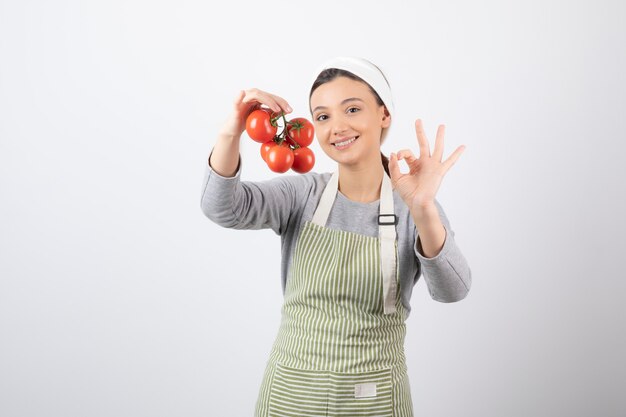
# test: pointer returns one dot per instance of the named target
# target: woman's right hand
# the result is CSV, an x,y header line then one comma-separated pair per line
x,y
245,103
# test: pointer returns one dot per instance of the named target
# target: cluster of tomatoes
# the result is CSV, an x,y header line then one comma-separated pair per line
x,y
289,149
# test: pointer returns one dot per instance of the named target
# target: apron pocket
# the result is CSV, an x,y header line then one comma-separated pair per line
x,y
361,394
310,393
299,392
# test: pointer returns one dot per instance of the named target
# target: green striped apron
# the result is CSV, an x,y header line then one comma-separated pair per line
x,y
340,345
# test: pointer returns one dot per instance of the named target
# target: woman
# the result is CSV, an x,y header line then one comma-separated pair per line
x,y
354,243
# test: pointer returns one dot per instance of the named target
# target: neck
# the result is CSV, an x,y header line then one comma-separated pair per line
x,y
361,184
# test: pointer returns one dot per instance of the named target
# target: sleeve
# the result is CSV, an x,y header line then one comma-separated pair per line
x,y
448,275
232,203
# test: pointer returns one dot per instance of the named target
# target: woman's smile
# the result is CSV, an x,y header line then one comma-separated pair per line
x,y
340,145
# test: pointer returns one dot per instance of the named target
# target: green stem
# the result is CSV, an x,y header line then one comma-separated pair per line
x,y
283,135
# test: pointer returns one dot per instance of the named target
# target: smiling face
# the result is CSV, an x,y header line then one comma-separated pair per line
x,y
343,109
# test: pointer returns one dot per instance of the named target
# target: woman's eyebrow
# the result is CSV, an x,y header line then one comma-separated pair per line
x,y
342,103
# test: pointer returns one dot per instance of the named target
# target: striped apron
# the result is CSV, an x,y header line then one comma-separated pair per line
x,y
340,345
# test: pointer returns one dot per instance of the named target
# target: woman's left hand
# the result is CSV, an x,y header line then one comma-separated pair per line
x,y
420,185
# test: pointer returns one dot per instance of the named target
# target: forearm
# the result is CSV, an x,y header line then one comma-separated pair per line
x,y
431,232
445,269
225,157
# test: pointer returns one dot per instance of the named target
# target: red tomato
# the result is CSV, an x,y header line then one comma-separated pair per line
x,y
265,148
259,126
301,131
280,157
303,160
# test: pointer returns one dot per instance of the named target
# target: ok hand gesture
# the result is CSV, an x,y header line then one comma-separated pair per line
x,y
420,185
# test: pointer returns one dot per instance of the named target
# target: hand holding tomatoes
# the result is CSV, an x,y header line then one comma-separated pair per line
x,y
287,150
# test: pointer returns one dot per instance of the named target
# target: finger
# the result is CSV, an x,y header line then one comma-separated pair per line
x,y
438,153
240,104
240,95
406,154
394,169
421,139
254,94
283,104
453,158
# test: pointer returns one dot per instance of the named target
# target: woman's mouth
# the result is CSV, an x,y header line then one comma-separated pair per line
x,y
345,144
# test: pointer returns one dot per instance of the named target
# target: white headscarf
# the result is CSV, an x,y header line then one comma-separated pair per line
x,y
369,73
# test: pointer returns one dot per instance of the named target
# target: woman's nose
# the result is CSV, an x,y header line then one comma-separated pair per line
x,y
339,128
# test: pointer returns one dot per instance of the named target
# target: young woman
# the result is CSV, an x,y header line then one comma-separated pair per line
x,y
354,243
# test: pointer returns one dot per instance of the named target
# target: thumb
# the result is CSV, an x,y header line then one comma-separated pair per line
x,y
239,98
394,169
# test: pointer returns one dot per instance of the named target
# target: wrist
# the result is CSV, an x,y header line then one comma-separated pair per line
x,y
425,217
425,210
228,136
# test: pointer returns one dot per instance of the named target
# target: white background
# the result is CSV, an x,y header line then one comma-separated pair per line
x,y
119,298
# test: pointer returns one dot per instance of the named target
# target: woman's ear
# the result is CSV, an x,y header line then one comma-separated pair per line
x,y
386,118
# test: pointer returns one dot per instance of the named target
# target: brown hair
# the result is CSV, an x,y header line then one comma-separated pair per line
x,y
330,74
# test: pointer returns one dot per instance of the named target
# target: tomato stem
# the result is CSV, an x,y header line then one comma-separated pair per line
x,y
278,117
274,119
283,136
293,142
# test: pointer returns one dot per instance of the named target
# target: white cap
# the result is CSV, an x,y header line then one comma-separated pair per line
x,y
369,73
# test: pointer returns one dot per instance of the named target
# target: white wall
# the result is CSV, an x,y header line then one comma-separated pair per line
x,y
119,298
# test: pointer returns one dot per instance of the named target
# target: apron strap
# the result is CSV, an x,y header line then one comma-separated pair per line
x,y
387,221
326,202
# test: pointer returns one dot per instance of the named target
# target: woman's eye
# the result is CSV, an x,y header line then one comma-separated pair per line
x,y
323,115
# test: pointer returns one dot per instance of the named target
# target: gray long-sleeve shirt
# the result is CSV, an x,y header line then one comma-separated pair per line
x,y
284,203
